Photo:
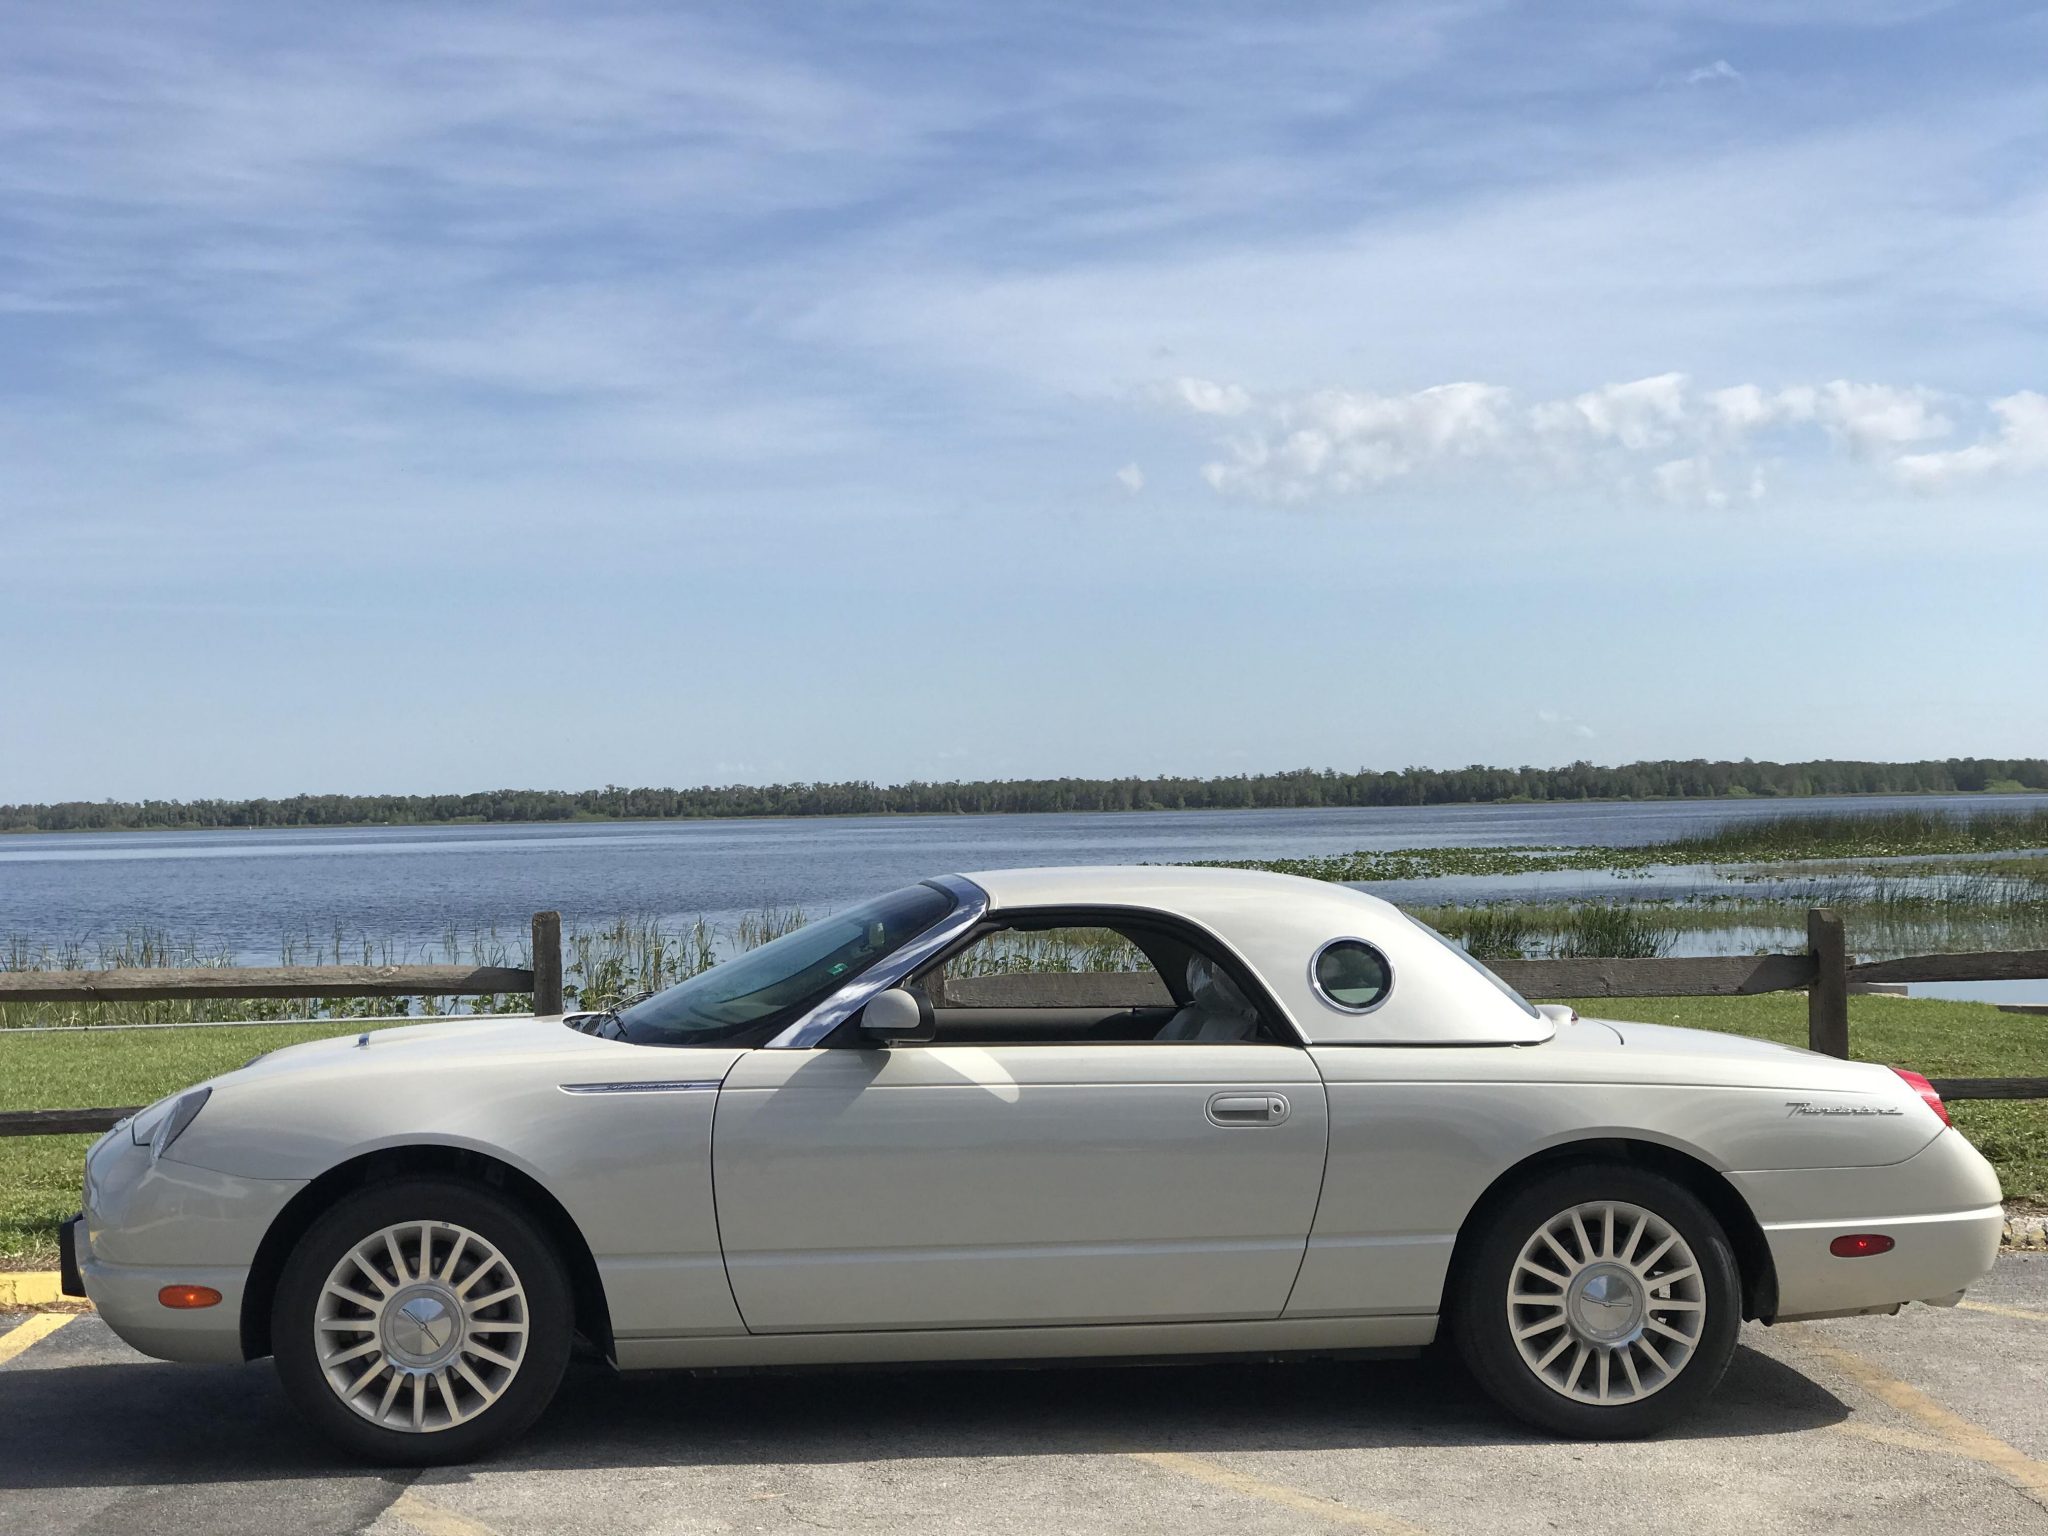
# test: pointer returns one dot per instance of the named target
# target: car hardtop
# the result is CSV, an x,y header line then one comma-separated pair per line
x,y
1277,925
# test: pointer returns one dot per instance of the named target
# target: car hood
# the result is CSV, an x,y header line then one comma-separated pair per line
x,y
466,1037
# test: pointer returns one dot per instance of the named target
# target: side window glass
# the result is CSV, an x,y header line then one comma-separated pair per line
x,y
1024,968
1084,982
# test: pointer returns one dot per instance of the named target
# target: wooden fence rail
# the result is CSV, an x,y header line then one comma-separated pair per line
x,y
1824,972
149,984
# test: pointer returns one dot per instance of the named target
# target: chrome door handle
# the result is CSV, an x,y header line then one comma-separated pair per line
x,y
1229,1109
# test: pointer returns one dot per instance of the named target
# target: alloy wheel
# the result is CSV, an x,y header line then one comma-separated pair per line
x,y
1606,1303
421,1326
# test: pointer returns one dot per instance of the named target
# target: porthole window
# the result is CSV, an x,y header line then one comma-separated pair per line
x,y
1352,975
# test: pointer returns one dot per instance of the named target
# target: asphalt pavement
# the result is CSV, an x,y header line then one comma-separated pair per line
x,y
1929,1422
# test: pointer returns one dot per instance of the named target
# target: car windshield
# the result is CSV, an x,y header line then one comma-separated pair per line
x,y
1480,966
782,980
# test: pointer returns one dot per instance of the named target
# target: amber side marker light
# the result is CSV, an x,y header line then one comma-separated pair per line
x,y
1860,1245
186,1298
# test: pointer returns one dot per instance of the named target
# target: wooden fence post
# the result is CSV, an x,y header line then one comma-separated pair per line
x,y
547,962
1827,999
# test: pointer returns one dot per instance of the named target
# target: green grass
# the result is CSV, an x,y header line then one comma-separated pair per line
x,y
39,1176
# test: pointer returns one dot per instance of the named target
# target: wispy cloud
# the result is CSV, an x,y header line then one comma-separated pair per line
x,y
1720,72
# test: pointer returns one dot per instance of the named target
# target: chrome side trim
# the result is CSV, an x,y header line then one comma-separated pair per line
x,y
681,1085
842,1005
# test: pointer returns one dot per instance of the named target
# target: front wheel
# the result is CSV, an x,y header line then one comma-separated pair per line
x,y
422,1321
1601,1301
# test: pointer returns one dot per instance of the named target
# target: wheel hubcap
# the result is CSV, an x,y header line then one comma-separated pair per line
x,y
421,1326
1606,1303
421,1330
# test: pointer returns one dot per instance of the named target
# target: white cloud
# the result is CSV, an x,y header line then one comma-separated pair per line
x,y
1558,720
1873,418
1714,74
2019,445
1337,440
1644,414
1207,399
1688,481
1131,478
1660,435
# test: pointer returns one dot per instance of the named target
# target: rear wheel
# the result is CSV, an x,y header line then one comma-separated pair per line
x,y
1601,1301
422,1321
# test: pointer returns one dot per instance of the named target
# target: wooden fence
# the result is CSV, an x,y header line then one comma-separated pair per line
x,y
1824,972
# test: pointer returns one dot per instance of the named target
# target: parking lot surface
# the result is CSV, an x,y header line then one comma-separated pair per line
x,y
1930,1422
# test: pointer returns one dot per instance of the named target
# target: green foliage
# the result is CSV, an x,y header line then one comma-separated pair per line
x,y
1614,930
1054,949
1825,835
1660,780
1848,835
1491,932
152,949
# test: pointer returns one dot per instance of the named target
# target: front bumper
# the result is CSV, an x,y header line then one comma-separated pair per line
x,y
69,1281
149,1224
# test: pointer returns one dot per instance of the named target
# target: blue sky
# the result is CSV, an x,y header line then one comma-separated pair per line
x,y
417,397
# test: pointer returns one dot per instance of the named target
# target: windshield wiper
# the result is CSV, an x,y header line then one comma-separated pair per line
x,y
610,1024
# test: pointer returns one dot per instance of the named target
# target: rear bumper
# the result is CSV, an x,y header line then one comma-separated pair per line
x,y
1940,1207
1934,1259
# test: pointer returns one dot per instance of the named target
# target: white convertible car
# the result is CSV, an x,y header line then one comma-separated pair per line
x,y
1295,1121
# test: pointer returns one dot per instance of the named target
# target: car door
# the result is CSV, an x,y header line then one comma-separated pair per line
x,y
963,1186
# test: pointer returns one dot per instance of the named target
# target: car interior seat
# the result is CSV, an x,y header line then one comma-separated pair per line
x,y
1216,1011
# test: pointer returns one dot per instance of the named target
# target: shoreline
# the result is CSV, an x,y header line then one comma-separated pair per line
x,y
1161,810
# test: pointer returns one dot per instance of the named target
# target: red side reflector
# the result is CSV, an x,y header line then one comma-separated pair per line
x,y
186,1298
1925,1089
1860,1245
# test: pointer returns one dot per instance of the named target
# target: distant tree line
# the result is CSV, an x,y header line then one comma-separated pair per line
x,y
1305,787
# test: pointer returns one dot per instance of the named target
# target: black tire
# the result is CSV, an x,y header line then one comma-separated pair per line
x,y
549,1318
1483,1327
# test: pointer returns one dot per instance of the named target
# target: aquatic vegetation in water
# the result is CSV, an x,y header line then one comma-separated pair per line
x,y
1612,929
1831,835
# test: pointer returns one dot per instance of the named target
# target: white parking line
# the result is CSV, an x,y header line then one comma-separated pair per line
x,y
41,1326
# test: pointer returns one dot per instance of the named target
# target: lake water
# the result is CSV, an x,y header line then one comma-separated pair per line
x,y
246,892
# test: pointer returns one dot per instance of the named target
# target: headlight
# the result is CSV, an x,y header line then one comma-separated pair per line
x,y
165,1121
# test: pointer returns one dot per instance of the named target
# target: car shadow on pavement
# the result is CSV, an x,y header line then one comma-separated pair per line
x,y
142,1424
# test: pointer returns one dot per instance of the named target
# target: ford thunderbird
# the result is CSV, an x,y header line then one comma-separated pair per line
x,y
1042,1115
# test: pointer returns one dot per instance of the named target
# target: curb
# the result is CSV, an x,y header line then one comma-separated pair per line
x,y
33,1288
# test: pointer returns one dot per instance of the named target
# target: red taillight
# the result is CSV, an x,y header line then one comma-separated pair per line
x,y
1860,1245
1925,1089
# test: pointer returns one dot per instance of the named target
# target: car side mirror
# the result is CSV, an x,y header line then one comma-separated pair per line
x,y
899,1016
